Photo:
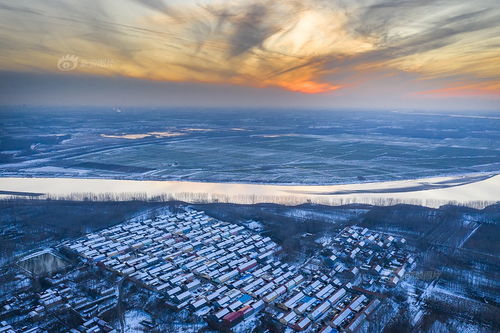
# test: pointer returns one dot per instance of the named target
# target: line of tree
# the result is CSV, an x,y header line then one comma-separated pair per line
x,y
289,200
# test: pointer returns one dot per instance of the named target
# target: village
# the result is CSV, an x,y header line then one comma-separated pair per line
x,y
222,273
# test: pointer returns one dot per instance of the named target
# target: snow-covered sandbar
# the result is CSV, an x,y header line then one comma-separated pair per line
x,y
469,190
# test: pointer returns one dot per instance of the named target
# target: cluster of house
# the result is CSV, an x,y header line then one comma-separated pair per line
x,y
223,273
17,306
368,257
327,304
93,325
6,328
89,310
57,301
34,312
194,261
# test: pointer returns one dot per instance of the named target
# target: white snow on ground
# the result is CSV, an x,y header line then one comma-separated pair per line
x,y
324,240
133,320
247,325
256,226
476,194
330,216
439,290
454,326
414,305
25,163
466,238
147,213
143,135
58,170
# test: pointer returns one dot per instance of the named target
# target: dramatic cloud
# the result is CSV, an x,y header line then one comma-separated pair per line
x,y
308,46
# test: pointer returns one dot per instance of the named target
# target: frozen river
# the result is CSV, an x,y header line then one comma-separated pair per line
x,y
475,190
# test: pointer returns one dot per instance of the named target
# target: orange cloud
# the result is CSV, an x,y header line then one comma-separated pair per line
x,y
474,89
295,45
310,87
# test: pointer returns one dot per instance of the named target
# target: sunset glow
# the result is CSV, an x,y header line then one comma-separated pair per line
x,y
312,47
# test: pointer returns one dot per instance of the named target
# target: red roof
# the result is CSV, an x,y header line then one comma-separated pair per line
x,y
233,316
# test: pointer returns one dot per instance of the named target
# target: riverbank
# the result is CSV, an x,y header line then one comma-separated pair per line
x,y
476,191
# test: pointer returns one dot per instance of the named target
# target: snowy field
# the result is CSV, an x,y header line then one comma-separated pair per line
x,y
250,156
296,147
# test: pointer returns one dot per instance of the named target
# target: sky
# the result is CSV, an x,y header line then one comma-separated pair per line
x,y
411,54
